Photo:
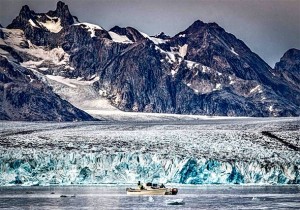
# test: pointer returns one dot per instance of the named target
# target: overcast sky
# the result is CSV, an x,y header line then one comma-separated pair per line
x,y
268,27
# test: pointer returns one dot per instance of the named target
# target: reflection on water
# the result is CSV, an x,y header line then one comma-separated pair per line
x,y
114,197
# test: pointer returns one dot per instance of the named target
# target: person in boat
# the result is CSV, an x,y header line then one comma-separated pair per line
x,y
141,187
162,186
153,186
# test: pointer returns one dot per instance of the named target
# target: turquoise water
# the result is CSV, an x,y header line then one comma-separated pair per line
x,y
114,197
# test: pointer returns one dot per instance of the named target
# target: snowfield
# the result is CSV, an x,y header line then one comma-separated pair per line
x,y
198,151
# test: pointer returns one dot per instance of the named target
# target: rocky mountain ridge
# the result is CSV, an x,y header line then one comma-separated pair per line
x,y
24,97
201,70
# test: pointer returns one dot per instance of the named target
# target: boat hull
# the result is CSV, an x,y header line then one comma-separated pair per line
x,y
146,192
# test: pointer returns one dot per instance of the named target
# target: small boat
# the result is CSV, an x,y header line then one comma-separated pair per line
x,y
175,202
151,189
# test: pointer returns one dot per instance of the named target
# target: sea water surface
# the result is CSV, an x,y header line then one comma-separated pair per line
x,y
114,197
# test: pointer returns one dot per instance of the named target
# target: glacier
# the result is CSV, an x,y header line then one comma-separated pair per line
x,y
199,151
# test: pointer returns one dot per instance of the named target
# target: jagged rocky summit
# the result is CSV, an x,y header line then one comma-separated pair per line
x,y
201,70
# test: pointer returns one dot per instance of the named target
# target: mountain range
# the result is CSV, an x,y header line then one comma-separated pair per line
x,y
202,70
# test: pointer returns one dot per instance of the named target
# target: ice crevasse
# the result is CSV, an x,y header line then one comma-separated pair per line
x,y
37,167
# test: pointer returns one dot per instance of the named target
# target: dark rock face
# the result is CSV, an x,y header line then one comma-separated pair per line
x,y
12,52
288,67
24,97
201,70
162,35
135,80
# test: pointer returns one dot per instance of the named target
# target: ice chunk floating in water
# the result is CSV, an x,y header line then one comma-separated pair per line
x,y
175,202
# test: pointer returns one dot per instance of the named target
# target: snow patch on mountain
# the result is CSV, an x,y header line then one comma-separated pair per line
x,y
170,57
119,38
256,89
218,86
89,27
183,50
232,80
192,64
32,23
157,41
205,69
173,72
233,51
53,24
144,35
